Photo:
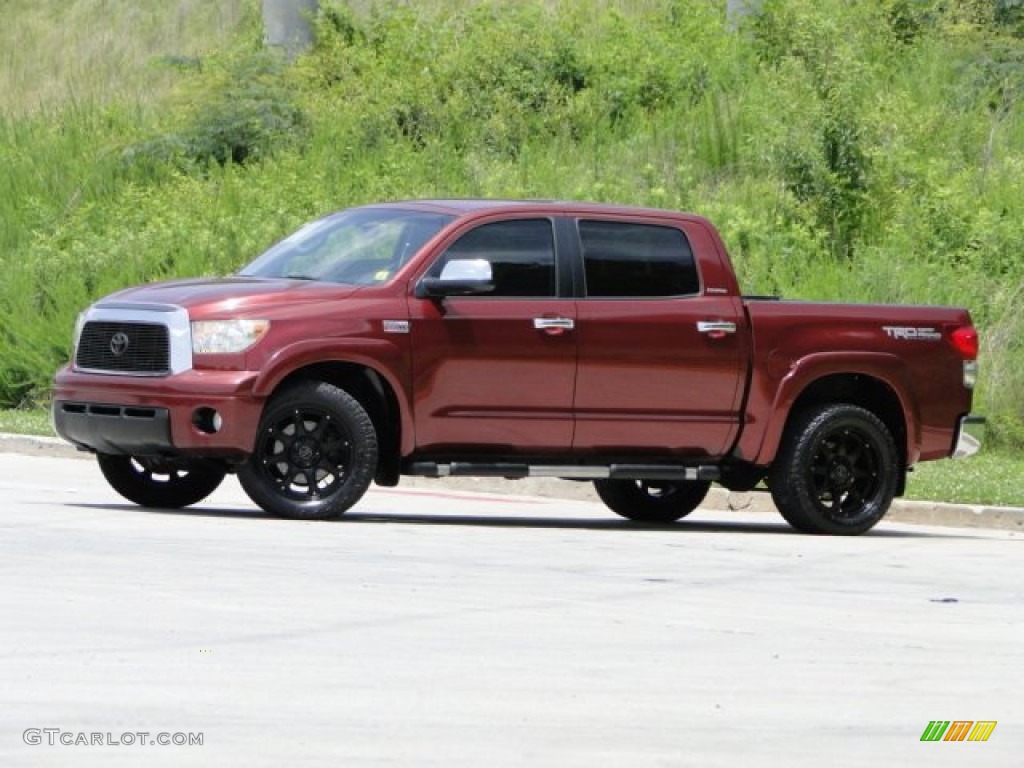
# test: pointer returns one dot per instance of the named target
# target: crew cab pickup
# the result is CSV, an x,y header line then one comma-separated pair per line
x,y
513,339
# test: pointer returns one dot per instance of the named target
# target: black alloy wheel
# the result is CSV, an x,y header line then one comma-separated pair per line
x,y
836,472
652,501
315,454
154,482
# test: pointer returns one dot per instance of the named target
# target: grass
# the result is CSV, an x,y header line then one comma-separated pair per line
x,y
26,421
990,478
103,50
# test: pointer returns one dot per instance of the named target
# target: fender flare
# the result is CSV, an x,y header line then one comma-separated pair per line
x,y
365,353
885,368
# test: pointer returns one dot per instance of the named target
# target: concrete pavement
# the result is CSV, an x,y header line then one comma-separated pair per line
x,y
446,628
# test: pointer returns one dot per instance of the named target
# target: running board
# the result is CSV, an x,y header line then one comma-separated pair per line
x,y
512,471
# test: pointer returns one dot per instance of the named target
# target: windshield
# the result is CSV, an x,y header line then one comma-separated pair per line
x,y
361,246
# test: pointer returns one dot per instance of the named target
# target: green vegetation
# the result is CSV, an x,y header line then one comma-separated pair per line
x,y
867,151
988,478
26,421
56,52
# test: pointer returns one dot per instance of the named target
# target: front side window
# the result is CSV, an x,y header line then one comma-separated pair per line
x,y
361,246
521,254
623,260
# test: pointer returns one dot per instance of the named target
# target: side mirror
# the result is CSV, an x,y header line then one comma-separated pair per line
x,y
460,277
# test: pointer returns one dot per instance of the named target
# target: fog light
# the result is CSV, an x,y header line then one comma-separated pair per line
x,y
207,421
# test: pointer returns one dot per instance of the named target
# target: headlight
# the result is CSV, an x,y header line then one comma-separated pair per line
x,y
79,326
226,337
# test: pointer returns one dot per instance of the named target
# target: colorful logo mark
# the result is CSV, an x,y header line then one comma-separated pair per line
x,y
958,730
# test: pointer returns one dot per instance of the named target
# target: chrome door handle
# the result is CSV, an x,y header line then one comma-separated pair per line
x,y
553,323
716,329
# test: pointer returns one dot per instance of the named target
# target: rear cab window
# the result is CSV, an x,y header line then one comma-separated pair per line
x,y
632,260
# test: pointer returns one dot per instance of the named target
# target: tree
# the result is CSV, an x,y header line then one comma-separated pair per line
x,y
289,24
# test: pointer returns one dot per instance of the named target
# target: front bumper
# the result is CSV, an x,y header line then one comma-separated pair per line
x,y
970,434
158,416
114,429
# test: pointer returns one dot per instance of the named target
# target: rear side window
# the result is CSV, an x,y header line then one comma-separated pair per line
x,y
623,260
521,253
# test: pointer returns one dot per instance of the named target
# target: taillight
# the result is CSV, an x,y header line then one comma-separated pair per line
x,y
965,341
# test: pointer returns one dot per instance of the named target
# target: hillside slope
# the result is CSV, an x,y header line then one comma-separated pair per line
x,y
851,151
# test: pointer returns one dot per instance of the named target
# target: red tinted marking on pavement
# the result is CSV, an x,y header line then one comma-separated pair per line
x,y
463,496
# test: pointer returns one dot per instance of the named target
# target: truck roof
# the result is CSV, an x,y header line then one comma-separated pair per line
x,y
462,206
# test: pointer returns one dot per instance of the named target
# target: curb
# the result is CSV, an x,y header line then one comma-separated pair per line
x,y
902,510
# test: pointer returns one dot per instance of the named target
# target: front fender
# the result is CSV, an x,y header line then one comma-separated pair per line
x,y
382,357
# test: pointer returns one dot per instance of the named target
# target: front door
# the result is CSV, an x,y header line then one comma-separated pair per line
x,y
494,374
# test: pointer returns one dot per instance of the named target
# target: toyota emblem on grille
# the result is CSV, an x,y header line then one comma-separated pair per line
x,y
119,343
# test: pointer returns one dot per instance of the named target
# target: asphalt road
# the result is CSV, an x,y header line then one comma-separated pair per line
x,y
438,628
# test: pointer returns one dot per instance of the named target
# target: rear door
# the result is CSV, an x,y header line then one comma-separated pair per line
x,y
660,360
495,374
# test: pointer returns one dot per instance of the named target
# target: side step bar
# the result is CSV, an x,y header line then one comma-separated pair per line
x,y
512,471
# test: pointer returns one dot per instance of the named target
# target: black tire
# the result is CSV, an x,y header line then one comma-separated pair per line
x,y
157,483
652,501
315,453
836,471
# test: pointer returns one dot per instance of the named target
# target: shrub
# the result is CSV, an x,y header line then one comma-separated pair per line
x,y
237,113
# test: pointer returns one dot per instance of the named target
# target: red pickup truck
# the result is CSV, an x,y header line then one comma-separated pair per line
x,y
513,339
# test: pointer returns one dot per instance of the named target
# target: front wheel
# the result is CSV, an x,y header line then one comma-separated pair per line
x,y
652,501
153,482
315,455
836,471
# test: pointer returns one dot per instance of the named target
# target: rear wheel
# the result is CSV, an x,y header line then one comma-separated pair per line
x,y
153,482
652,501
315,455
836,472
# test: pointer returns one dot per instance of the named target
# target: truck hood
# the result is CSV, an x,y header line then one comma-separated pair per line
x,y
231,295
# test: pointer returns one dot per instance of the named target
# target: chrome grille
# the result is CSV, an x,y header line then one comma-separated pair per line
x,y
141,348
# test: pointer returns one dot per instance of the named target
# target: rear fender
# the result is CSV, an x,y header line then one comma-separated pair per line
x,y
885,368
